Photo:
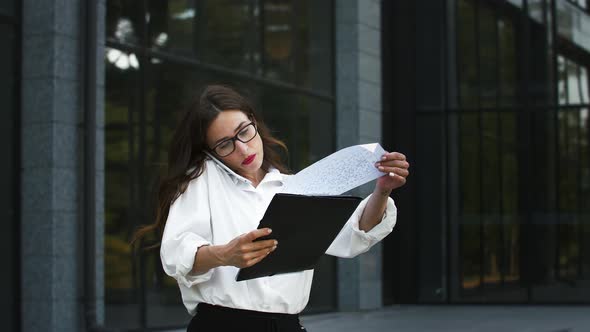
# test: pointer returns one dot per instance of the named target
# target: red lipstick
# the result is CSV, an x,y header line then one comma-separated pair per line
x,y
249,160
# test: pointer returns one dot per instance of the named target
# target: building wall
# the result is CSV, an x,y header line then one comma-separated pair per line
x,y
492,110
62,251
358,117
445,248
53,163
278,53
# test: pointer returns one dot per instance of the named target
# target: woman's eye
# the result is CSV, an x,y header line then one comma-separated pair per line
x,y
224,145
246,132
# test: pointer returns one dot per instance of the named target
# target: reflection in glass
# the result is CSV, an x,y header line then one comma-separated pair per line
x,y
227,34
524,175
584,186
470,231
536,9
583,79
581,3
507,62
138,128
491,198
121,274
488,62
490,232
279,39
562,81
7,7
168,89
517,3
466,53
121,60
306,124
572,23
509,198
173,26
508,239
276,39
568,244
124,21
573,83
290,42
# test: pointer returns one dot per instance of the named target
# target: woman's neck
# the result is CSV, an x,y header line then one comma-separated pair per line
x,y
257,177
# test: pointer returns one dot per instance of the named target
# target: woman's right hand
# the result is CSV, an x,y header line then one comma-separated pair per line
x,y
242,251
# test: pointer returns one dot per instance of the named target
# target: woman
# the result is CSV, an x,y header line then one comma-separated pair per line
x,y
224,168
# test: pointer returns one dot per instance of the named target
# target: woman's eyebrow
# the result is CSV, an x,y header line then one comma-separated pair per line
x,y
235,131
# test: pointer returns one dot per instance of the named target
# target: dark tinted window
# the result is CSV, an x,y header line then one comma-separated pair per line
x,y
276,52
7,7
9,144
523,160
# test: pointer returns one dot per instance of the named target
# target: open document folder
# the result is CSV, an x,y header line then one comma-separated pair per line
x,y
308,215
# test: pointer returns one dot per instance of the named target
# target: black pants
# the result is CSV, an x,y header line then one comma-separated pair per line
x,y
223,319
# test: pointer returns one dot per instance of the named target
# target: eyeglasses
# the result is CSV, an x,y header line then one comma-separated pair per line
x,y
245,135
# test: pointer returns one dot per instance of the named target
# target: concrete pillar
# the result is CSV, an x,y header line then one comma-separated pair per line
x,y
52,160
358,113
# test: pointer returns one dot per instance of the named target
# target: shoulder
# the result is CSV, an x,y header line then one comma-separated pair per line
x,y
209,168
212,175
285,176
199,187
201,182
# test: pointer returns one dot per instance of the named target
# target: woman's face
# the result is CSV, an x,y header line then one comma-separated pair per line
x,y
246,159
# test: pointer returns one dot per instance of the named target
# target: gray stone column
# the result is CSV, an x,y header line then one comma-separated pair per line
x,y
358,109
100,163
52,160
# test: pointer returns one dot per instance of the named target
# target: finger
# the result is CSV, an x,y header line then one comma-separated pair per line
x,y
394,163
255,260
255,254
392,156
258,245
396,170
253,235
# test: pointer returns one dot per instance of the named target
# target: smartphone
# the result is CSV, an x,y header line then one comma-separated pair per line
x,y
220,163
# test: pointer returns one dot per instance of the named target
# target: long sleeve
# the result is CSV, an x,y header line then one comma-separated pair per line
x,y
187,228
352,241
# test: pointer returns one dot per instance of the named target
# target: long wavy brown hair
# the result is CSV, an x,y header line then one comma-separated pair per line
x,y
186,155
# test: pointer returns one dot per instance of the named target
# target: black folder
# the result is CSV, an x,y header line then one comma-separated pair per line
x,y
304,226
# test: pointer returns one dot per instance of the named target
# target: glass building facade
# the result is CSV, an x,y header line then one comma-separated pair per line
x,y
160,53
501,149
489,99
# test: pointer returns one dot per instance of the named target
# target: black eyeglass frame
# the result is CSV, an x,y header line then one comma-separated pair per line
x,y
234,139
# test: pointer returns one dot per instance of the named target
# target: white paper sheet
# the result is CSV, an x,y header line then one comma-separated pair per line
x,y
338,173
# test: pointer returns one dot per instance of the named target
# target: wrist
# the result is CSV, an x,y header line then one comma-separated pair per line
x,y
382,192
218,253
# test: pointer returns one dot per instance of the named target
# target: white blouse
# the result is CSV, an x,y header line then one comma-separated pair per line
x,y
220,205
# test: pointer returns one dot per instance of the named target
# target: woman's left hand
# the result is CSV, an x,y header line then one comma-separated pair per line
x,y
396,166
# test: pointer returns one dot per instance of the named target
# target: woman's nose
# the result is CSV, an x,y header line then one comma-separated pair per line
x,y
241,147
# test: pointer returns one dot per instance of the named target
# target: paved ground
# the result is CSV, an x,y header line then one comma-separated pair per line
x,y
447,318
